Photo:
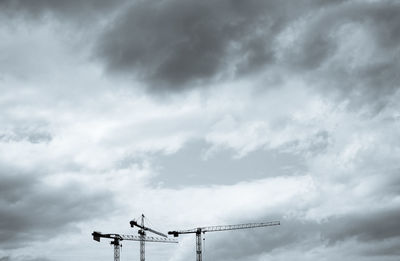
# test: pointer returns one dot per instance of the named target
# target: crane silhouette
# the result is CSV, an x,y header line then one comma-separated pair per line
x,y
198,231
142,234
117,238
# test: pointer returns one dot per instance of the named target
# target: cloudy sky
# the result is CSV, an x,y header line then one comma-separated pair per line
x,y
200,113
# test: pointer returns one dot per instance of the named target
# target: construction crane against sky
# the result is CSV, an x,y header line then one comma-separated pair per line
x,y
203,230
116,239
142,238
142,235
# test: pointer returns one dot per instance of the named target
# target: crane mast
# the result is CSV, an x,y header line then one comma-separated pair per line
x,y
117,249
198,246
142,235
198,231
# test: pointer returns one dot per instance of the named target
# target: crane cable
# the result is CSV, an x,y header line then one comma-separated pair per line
x,y
151,224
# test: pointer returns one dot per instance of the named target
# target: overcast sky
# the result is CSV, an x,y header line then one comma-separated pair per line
x,y
200,113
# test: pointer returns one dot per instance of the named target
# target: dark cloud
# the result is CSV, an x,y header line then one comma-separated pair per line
x,y
176,44
33,210
173,44
367,226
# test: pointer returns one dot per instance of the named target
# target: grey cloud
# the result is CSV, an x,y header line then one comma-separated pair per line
x,y
373,79
369,226
30,134
173,44
379,227
33,210
246,243
391,186
82,9
386,248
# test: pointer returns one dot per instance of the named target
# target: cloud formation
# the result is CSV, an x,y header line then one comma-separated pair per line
x,y
177,44
348,48
31,209
351,47
174,45
70,10
273,136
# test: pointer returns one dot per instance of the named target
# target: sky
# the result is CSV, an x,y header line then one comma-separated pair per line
x,y
200,113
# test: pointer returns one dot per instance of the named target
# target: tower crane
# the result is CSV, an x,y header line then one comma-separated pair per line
x,y
203,230
142,235
116,238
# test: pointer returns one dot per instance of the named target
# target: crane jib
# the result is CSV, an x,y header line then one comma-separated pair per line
x,y
223,228
98,235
